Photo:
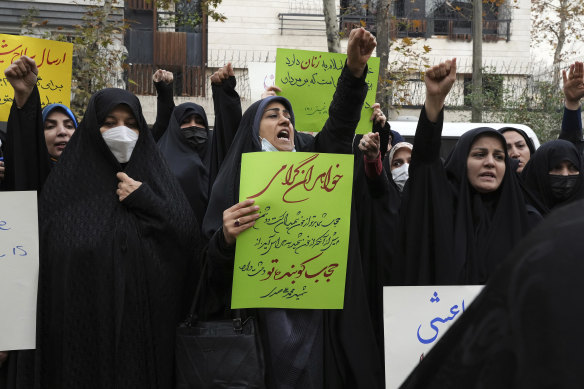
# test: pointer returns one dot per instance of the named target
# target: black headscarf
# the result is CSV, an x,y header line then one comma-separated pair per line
x,y
190,165
225,191
528,140
536,175
112,274
522,330
487,226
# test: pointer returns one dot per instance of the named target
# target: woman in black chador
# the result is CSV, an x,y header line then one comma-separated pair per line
x,y
302,348
186,145
522,331
554,175
117,240
461,218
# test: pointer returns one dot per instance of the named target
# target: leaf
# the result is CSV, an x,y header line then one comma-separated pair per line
x,y
362,22
427,48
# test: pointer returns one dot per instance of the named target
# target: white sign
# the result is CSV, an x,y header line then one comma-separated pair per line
x,y
415,318
19,268
261,77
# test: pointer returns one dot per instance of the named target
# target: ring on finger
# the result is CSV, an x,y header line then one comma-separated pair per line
x,y
237,222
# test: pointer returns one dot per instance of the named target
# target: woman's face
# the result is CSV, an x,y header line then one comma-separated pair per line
x,y
121,115
517,148
565,168
193,121
401,156
276,127
58,130
486,164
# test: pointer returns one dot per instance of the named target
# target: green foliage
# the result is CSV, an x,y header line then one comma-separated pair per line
x,y
189,13
98,51
540,107
406,59
537,104
492,94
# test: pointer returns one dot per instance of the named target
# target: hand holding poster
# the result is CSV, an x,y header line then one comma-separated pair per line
x,y
54,61
415,318
295,256
309,79
19,264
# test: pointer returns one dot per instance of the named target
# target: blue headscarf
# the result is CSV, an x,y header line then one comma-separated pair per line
x,y
51,107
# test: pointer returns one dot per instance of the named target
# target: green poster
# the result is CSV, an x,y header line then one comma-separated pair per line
x,y
309,79
295,256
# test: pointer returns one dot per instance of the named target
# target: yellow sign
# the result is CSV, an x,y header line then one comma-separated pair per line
x,y
54,60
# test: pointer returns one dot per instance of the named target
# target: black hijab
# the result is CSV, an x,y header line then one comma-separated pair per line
x,y
112,274
536,175
528,140
486,226
225,191
190,165
522,330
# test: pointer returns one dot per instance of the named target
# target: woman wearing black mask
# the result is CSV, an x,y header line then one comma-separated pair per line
x,y
554,176
187,149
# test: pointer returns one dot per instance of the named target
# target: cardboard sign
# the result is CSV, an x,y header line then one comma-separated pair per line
x,y
19,267
309,79
261,77
415,318
54,61
295,256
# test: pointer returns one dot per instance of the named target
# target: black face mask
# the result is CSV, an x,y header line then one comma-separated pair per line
x,y
563,186
196,136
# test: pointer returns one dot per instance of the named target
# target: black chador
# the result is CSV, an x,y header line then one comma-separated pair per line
x,y
112,274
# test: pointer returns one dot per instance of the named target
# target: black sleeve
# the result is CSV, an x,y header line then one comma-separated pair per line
x,y
426,224
227,105
427,140
572,127
384,134
164,107
218,276
26,158
344,114
154,218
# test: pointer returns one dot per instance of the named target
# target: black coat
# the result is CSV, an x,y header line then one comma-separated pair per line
x,y
26,158
112,274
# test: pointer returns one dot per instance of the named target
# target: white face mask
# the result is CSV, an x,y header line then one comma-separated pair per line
x,y
267,146
121,141
400,175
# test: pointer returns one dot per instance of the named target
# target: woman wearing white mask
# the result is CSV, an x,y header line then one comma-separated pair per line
x,y
399,163
117,239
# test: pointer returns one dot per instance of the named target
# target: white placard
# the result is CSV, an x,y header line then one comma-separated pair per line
x,y
415,318
261,76
19,268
